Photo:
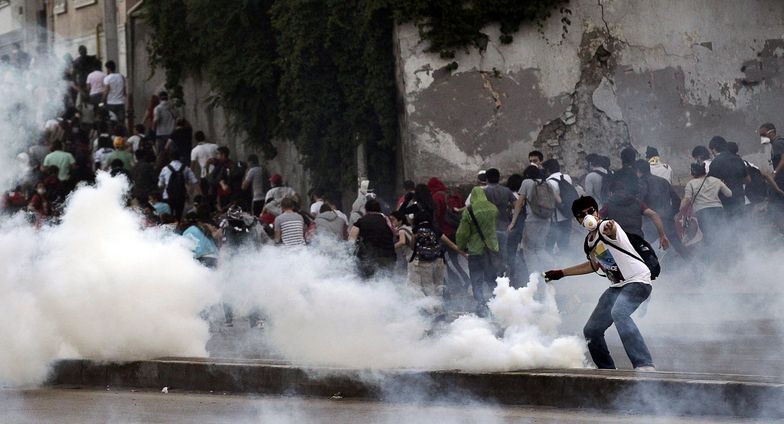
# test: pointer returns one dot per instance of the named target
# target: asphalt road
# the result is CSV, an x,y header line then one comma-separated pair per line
x,y
85,407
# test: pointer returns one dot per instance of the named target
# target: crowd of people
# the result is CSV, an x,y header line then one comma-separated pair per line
x,y
444,244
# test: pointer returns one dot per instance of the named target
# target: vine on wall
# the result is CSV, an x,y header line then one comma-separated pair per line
x,y
318,72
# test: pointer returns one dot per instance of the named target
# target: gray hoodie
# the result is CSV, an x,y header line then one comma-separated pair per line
x,y
330,224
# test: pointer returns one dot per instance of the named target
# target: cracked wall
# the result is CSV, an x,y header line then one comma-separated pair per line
x,y
640,72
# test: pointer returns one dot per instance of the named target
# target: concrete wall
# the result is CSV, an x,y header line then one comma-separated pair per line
x,y
669,74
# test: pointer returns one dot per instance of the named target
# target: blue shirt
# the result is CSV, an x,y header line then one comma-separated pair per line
x,y
205,247
162,208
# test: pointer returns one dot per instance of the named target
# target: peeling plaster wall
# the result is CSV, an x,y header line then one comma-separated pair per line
x,y
647,72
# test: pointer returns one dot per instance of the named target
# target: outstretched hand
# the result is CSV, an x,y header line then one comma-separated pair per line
x,y
554,274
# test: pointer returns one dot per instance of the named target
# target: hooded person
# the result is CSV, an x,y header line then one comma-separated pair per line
x,y
446,219
440,194
329,223
476,235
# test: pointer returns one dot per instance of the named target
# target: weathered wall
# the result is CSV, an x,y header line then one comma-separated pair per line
x,y
200,113
669,74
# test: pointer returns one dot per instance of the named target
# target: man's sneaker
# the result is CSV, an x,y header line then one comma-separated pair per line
x,y
645,369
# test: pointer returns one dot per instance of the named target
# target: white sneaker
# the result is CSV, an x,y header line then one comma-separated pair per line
x,y
645,369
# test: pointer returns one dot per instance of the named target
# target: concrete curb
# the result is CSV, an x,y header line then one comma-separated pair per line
x,y
658,393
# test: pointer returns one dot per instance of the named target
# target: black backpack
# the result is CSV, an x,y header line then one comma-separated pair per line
x,y
605,192
427,246
757,187
236,233
175,189
568,195
642,247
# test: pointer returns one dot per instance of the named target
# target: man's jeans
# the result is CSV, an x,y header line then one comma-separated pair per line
x,y
518,268
616,306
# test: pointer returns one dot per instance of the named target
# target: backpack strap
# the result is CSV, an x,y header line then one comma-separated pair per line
x,y
588,251
620,249
478,228
694,198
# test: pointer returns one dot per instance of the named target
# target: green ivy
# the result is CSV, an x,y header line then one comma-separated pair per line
x,y
318,72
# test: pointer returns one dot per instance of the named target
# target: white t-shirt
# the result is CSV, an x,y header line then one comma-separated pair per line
x,y
134,142
95,82
116,83
316,207
620,268
255,177
201,154
553,181
662,170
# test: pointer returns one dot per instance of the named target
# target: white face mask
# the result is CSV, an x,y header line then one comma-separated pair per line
x,y
764,140
590,222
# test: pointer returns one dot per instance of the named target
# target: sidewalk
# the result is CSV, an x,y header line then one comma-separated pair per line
x,y
657,393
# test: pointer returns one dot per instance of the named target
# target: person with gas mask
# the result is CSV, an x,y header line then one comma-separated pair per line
x,y
610,251
767,133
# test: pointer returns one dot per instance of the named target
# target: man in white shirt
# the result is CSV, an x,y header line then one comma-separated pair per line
x,y
202,153
611,251
135,140
254,181
114,91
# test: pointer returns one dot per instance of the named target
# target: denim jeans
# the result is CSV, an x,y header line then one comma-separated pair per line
x,y
616,305
518,269
559,234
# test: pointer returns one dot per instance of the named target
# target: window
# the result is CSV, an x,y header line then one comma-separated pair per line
x,y
60,6
82,3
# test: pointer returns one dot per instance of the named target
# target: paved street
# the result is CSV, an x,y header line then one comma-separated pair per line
x,y
85,407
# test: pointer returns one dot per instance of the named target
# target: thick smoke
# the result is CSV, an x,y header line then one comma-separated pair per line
x,y
30,99
321,313
97,286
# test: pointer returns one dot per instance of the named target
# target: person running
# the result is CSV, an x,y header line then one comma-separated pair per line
x,y
609,250
374,235
476,235
702,196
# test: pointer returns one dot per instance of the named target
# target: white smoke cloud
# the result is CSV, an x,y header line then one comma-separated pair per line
x,y
321,313
97,286
30,99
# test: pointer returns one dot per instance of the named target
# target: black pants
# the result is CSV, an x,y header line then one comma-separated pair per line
x,y
518,268
560,233
482,273
456,277
616,306
256,207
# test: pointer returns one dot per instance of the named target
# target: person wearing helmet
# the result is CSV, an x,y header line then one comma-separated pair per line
x,y
120,152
